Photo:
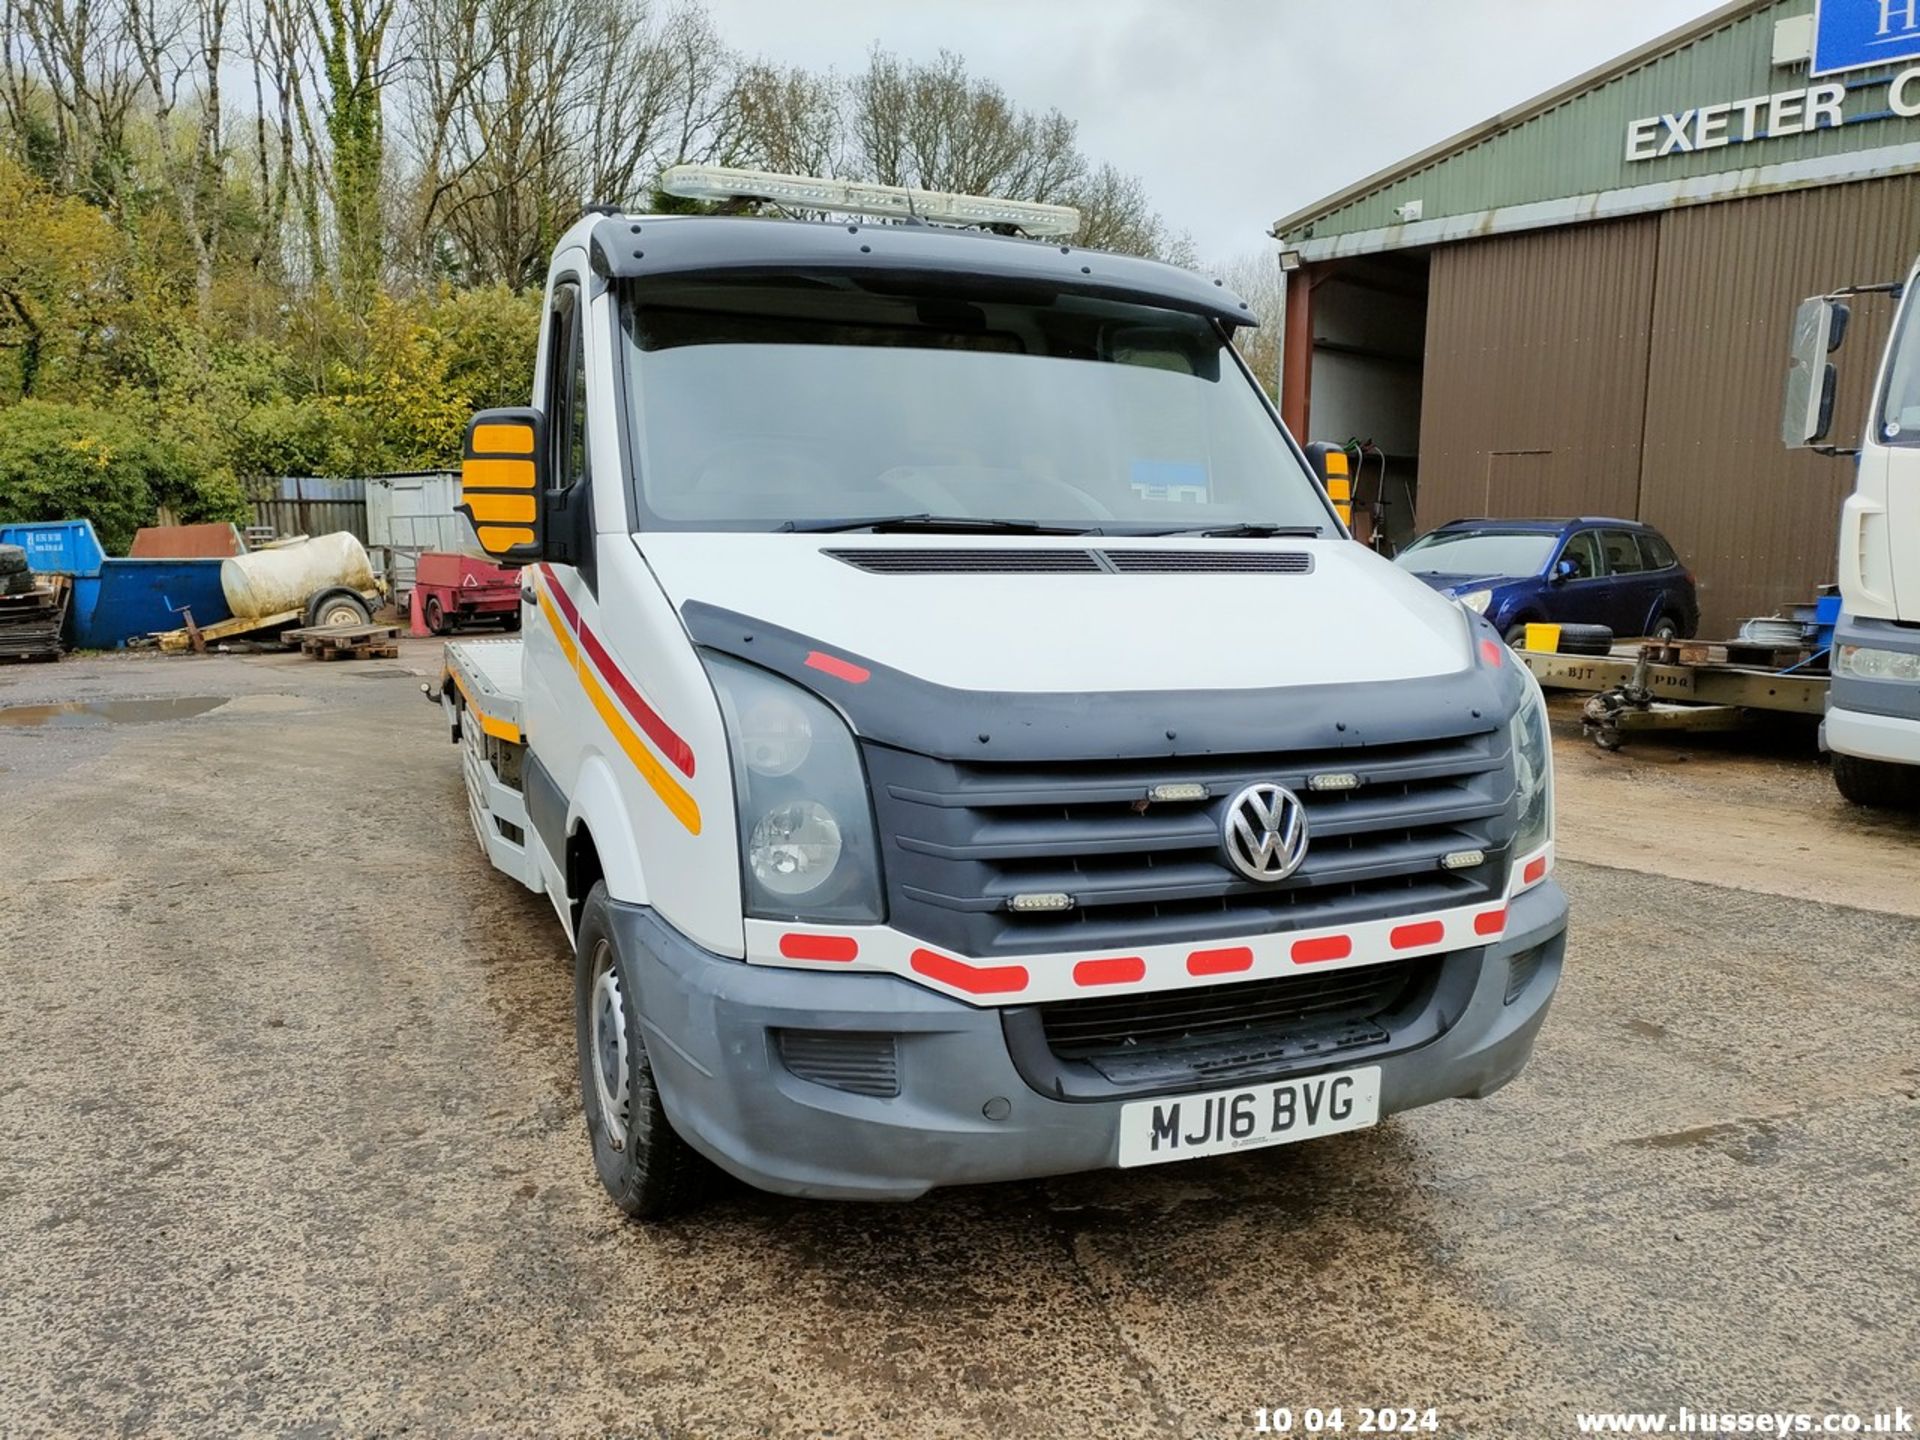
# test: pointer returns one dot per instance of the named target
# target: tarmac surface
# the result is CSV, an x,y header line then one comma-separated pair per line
x,y
289,1137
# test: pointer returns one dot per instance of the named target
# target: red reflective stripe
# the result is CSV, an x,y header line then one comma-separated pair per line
x,y
819,947
1326,947
974,979
1121,970
1423,932
1489,922
560,597
1220,962
1536,869
657,730
840,669
1493,652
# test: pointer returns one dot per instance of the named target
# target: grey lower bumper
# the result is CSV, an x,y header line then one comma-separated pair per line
x,y
710,1024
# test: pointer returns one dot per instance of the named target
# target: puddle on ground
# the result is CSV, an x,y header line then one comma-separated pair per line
x,y
78,714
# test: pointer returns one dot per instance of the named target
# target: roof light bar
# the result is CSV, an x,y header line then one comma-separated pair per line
x,y
858,197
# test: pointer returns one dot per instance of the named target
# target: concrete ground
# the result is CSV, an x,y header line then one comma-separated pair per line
x,y
289,1137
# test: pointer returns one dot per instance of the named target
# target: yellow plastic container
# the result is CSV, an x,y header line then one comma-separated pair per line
x,y
1545,638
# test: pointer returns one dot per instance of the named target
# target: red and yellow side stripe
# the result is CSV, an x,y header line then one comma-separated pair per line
x,y
633,722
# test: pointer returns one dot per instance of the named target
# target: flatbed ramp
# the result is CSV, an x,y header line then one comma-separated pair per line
x,y
480,692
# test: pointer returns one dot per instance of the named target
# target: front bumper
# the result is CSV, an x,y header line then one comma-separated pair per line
x,y
711,1026
1874,719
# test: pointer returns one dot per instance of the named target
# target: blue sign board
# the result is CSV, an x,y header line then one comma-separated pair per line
x,y
1856,34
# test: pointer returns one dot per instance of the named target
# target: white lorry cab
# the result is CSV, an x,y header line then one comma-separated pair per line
x,y
955,729
1872,726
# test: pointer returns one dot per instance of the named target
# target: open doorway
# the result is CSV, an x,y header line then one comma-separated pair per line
x,y
1367,319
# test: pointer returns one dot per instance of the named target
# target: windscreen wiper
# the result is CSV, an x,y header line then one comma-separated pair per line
x,y
881,524
1251,529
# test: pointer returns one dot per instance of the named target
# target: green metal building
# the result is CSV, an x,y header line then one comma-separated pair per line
x,y
1581,306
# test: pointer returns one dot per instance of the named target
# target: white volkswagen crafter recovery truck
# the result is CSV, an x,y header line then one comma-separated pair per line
x,y
1872,728
954,728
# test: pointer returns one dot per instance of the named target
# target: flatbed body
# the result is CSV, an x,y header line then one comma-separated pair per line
x,y
480,691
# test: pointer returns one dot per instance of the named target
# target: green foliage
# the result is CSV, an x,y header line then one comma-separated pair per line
x,y
60,462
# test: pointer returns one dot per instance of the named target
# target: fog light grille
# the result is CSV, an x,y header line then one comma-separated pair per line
x,y
859,1062
1520,972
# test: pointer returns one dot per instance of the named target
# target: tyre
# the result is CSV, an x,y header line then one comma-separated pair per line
x,y
18,582
13,560
435,615
511,620
1516,635
337,607
1585,639
1665,628
646,1167
1876,784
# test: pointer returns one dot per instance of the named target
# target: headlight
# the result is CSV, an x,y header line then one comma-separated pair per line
x,y
807,847
1533,772
1477,600
1863,662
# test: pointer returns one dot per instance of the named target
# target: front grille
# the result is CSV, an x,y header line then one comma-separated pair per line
x,y
1210,562
859,1062
963,837
1211,1032
1037,560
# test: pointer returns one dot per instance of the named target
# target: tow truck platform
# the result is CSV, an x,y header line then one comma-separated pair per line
x,y
480,691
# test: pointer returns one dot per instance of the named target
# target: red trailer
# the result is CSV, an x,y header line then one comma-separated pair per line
x,y
455,591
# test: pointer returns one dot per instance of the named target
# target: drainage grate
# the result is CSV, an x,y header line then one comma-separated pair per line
x,y
1209,562
1038,560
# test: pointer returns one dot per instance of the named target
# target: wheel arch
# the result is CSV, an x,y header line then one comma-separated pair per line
x,y
601,837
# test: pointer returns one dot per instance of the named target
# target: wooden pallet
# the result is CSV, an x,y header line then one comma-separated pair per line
x,y
31,622
1742,653
347,642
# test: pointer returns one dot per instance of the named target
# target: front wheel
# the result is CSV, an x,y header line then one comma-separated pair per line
x,y
1876,784
1666,628
646,1167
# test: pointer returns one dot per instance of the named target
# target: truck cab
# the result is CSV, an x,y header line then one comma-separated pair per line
x,y
1872,725
954,727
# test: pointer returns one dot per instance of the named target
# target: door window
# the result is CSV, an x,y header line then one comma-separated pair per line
x,y
568,467
1583,555
1622,554
1659,555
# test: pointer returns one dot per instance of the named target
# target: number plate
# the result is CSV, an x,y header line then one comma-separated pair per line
x,y
1186,1126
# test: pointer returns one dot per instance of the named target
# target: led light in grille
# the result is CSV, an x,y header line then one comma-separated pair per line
x,y
1462,859
1334,780
1040,900
1184,790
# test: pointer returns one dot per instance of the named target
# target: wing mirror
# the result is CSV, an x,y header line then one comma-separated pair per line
x,y
1563,571
503,484
1806,412
1335,473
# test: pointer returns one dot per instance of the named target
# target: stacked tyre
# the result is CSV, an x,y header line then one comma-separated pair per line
x,y
15,577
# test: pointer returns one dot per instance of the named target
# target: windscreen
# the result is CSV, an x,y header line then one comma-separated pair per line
x,y
1478,552
762,406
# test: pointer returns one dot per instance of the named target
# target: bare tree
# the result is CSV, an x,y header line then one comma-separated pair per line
x,y
181,48
786,120
69,84
1255,277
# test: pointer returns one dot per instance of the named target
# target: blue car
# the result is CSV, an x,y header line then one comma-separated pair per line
x,y
1590,571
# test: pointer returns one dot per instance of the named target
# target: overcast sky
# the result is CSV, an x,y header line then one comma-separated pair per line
x,y
1234,112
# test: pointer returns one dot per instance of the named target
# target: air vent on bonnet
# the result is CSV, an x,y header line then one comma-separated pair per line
x,y
1034,561
1209,562
1039,561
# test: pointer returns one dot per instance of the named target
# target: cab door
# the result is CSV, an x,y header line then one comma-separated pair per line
x,y
553,702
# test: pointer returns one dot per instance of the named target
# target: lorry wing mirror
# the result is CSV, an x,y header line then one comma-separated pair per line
x,y
1806,412
502,481
1330,464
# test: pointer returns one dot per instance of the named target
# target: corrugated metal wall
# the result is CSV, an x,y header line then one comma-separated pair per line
x,y
310,505
1536,369
1578,147
1635,368
1759,522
